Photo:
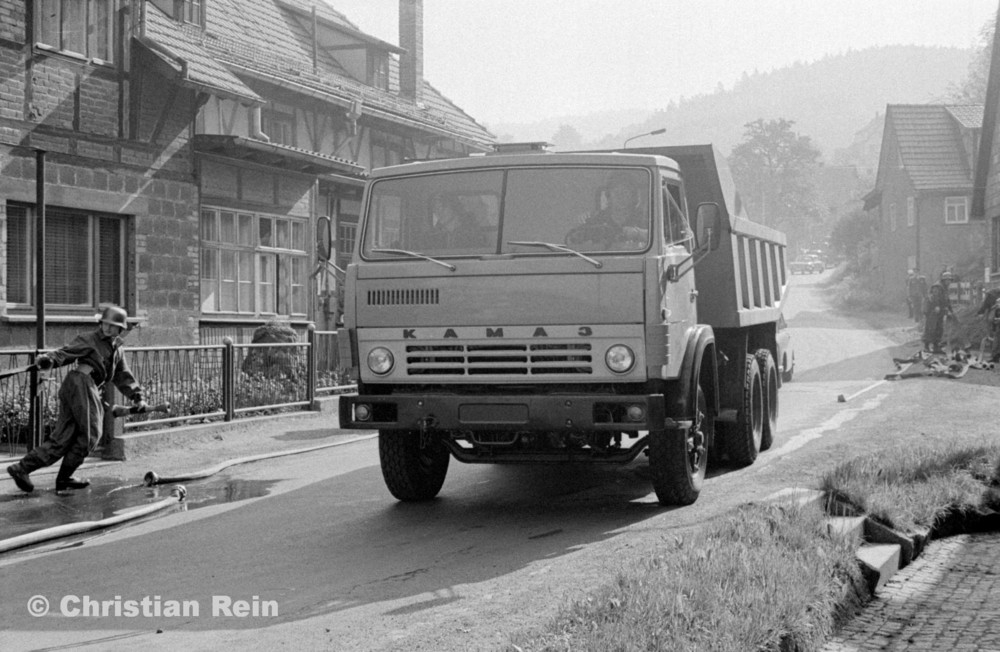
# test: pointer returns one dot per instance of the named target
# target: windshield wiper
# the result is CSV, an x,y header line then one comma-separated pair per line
x,y
557,247
415,254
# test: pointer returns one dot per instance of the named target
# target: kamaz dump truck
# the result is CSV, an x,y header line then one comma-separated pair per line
x,y
535,307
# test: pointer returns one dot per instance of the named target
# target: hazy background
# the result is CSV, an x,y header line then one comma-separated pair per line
x,y
519,61
758,79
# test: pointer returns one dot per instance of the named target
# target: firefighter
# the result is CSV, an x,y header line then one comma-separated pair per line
x,y
936,310
99,359
916,294
993,317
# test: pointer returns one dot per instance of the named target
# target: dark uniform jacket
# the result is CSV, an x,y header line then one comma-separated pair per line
x,y
104,356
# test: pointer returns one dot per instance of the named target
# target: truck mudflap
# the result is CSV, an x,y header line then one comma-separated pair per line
x,y
518,413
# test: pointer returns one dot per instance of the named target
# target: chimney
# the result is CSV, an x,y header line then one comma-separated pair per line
x,y
411,39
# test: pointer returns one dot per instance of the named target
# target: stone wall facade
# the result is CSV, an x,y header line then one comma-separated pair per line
x,y
100,157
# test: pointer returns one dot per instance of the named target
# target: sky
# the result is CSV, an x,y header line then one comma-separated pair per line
x,y
516,61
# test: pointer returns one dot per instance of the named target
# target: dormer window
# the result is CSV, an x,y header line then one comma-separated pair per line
x,y
184,11
80,28
193,11
378,69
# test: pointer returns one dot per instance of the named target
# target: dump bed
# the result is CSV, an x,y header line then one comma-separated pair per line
x,y
744,281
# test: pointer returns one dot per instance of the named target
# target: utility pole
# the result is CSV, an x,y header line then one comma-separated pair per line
x,y
36,416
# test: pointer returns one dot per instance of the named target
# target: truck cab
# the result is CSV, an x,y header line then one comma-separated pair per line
x,y
532,308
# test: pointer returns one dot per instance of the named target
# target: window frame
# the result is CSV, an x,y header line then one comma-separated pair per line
x,y
378,69
268,278
279,125
892,217
93,262
911,211
192,12
951,205
90,39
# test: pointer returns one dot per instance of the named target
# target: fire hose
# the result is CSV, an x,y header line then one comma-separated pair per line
x,y
126,410
152,478
177,495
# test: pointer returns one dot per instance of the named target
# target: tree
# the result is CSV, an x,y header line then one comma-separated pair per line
x,y
773,167
567,138
853,235
972,90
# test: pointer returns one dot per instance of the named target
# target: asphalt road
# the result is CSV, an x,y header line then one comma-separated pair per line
x,y
321,557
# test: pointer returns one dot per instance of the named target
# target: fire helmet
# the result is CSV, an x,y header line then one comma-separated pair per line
x,y
115,316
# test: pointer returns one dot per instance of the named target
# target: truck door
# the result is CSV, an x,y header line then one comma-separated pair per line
x,y
678,298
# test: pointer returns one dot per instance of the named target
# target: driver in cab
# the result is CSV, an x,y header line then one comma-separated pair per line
x,y
624,218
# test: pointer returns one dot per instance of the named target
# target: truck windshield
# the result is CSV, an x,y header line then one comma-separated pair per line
x,y
470,213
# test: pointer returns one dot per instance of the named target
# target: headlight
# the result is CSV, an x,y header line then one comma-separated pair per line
x,y
380,360
619,358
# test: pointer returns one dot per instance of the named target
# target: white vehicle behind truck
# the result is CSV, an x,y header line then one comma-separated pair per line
x,y
494,314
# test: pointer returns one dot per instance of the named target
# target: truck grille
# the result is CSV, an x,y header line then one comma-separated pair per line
x,y
410,297
509,359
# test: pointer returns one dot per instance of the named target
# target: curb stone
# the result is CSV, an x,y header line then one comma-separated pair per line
x,y
881,550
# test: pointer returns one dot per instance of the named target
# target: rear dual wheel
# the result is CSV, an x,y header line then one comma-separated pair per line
x,y
743,439
769,379
757,416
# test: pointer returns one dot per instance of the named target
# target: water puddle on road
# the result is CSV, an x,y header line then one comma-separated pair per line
x,y
44,508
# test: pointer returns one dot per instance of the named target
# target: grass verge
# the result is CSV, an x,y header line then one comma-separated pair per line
x,y
909,488
768,576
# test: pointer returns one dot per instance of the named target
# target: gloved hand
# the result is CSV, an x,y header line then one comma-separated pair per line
x,y
43,361
138,402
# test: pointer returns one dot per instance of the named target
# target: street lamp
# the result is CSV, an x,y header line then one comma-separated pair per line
x,y
655,132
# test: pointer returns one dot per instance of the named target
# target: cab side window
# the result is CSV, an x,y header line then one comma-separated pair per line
x,y
676,229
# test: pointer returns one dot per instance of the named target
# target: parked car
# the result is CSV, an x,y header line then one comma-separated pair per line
x,y
807,265
786,354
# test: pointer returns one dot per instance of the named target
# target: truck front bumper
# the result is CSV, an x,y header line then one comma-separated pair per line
x,y
566,412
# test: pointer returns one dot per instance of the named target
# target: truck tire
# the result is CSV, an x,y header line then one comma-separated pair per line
x,y
743,438
677,460
412,473
769,378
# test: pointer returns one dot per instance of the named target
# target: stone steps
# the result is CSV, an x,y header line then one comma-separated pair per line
x,y
881,551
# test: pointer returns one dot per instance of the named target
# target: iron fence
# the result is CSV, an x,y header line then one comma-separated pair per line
x,y
15,400
202,382
331,376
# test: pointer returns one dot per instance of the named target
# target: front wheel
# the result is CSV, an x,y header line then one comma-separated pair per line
x,y
678,459
412,472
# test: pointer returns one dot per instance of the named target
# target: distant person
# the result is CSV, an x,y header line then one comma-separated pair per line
x,y
99,359
624,217
993,323
937,309
916,294
454,227
947,280
989,300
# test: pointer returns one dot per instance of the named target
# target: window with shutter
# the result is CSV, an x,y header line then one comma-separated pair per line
x,y
84,257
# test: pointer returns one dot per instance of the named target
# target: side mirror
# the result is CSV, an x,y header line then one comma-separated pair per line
x,y
708,225
324,238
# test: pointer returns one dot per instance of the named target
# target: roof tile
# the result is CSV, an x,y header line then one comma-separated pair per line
x,y
929,138
202,68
